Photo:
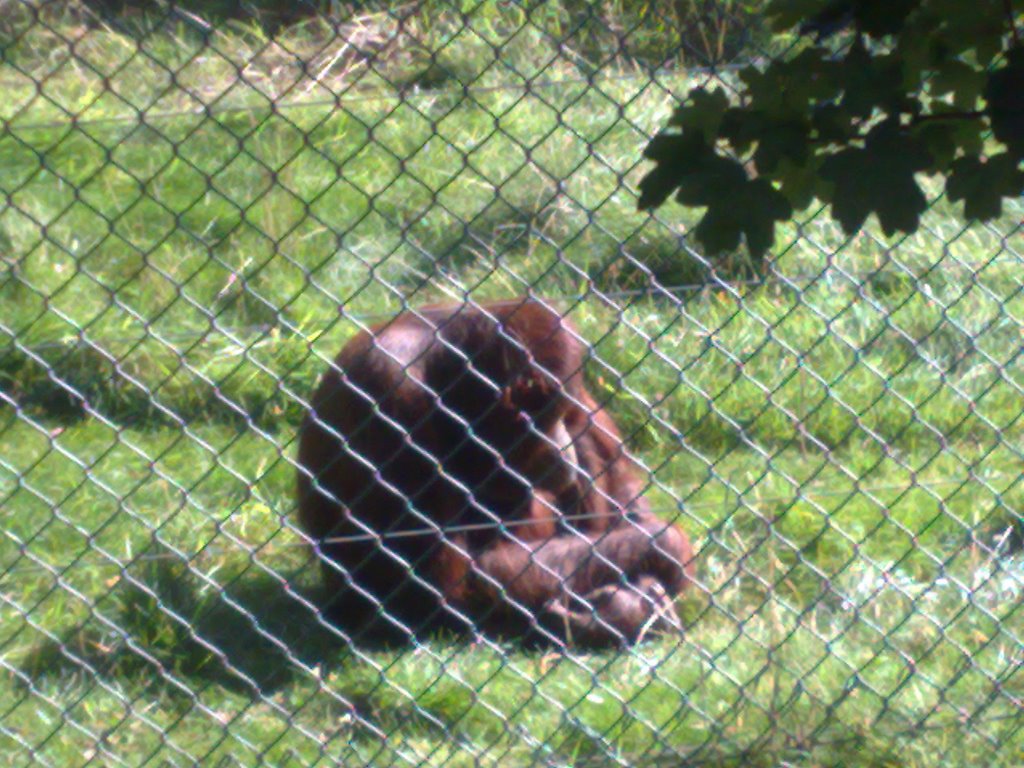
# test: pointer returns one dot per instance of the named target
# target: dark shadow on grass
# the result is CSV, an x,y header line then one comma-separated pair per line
x,y
243,627
254,632
73,382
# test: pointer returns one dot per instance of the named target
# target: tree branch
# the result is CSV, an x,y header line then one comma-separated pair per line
x,y
936,116
1008,7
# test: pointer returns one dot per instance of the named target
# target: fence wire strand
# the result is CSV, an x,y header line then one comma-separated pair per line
x,y
202,206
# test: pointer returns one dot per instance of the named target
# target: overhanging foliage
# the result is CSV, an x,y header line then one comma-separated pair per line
x,y
887,90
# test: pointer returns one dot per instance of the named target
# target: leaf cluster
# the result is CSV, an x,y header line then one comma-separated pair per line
x,y
881,91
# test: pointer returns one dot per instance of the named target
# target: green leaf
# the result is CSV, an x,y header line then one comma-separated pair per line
x,y
877,18
675,156
802,120
1004,95
982,184
944,139
836,16
786,14
879,179
785,140
788,88
715,178
722,225
679,154
978,26
798,182
922,46
961,80
736,206
776,137
717,231
872,82
702,112
767,206
886,17
742,127
832,123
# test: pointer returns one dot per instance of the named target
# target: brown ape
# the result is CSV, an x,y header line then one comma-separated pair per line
x,y
610,483
446,455
438,418
601,589
617,613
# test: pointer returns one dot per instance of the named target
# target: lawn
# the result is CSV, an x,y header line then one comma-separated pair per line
x,y
194,224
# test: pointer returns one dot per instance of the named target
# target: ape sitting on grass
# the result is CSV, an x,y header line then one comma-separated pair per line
x,y
454,471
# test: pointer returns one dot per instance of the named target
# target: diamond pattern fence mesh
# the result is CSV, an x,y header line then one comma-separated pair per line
x,y
203,203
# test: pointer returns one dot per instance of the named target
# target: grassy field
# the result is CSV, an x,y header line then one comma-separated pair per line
x,y
842,439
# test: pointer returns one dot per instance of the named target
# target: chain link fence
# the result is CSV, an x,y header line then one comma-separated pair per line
x,y
203,203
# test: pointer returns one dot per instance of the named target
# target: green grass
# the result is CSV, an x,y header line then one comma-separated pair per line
x,y
842,441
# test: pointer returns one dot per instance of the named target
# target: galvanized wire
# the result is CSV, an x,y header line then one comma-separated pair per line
x,y
188,235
